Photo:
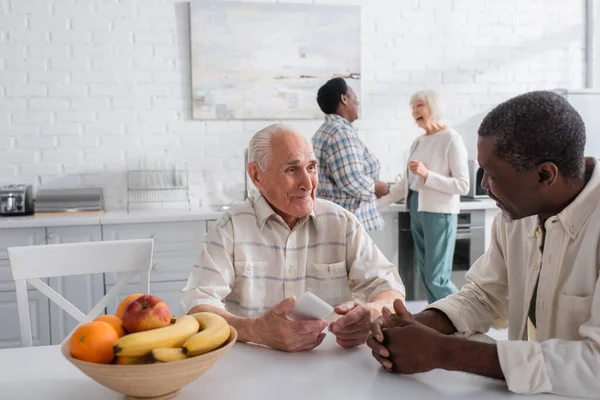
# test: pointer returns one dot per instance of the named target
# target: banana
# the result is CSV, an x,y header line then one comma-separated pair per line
x,y
166,354
141,343
214,331
123,360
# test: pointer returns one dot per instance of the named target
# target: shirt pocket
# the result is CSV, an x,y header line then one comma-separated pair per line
x,y
250,287
329,282
573,311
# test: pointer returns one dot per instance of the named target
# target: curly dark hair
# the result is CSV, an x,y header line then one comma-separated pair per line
x,y
330,95
537,127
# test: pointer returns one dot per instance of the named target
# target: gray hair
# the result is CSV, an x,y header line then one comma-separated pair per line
x,y
259,149
433,100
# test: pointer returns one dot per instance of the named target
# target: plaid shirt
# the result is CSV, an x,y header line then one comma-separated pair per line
x,y
347,170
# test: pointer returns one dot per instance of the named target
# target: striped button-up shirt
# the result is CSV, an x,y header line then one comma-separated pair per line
x,y
347,170
251,260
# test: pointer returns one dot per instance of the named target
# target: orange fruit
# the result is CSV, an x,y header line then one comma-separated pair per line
x,y
124,303
115,322
93,342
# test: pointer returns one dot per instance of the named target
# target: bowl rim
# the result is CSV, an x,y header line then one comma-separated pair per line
x,y
231,340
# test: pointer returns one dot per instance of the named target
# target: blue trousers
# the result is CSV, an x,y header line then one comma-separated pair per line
x,y
434,235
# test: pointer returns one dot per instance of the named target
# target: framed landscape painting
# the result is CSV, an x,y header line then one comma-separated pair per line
x,y
267,61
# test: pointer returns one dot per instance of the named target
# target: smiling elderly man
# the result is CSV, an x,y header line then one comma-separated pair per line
x,y
266,251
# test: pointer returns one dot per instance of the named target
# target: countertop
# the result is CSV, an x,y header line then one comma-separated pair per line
x,y
465,205
256,373
169,215
112,217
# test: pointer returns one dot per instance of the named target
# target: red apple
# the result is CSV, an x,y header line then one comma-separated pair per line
x,y
145,313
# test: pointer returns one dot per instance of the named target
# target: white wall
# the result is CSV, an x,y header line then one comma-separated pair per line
x,y
88,87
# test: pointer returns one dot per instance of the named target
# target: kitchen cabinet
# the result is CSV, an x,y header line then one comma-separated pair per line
x,y
166,267
168,237
10,333
83,291
176,247
387,239
13,238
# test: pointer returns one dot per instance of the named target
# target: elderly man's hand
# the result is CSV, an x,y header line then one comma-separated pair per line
x,y
275,330
353,328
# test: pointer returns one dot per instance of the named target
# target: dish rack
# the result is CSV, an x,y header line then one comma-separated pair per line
x,y
158,186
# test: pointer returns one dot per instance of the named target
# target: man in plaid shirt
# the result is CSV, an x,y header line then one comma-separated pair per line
x,y
348,171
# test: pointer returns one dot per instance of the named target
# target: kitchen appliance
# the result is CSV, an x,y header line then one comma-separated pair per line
x,y
69,200
475,177
469,245
16,200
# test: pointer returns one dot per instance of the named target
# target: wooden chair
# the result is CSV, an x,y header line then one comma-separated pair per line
x,y
30,263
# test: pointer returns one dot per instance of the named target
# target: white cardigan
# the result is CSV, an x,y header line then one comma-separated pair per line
x,y
448,177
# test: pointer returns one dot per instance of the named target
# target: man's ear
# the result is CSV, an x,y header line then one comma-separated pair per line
x,y
547,173
344,99
254,173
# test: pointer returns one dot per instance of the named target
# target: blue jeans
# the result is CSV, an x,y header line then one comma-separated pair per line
x,y
434,235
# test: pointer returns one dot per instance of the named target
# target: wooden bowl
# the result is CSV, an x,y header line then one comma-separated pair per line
x,y
150,381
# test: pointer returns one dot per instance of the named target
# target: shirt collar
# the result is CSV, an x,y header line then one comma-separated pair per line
x,y
576,214
335,117
264,211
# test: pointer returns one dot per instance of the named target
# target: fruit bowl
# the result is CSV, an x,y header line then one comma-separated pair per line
x,y
151,381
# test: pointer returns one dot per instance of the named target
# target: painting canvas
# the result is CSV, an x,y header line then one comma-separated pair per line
x,y
267,61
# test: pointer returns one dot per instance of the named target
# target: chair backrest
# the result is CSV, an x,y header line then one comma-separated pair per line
x,y
30,263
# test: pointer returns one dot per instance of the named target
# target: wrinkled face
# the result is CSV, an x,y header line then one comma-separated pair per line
x,y
518,194
352,104
421,113
290,182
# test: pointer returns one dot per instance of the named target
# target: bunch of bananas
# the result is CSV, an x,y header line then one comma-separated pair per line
x,y
188,336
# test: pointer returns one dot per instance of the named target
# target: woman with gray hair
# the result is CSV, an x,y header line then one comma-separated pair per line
x,y
436,176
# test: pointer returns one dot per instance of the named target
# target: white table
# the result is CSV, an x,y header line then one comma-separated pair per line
x,y
255,373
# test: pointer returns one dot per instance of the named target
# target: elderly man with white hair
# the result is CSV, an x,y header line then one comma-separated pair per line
x,y
268,250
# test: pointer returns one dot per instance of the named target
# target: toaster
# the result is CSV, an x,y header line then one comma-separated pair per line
x,y
16,200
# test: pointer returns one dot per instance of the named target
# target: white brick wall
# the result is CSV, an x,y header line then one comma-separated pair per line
x,y
89,88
